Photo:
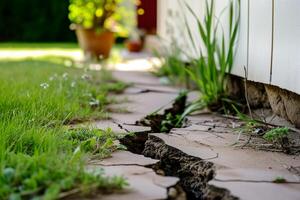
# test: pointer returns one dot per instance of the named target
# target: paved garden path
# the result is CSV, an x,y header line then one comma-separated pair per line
x,y
207,158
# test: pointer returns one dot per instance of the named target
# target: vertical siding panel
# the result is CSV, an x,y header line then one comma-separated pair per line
x,y
260,40
162,11
241,56
286,59
241,45
199,8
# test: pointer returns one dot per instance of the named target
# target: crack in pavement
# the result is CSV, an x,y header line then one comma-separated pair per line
x,y
115,165
256,181
121,127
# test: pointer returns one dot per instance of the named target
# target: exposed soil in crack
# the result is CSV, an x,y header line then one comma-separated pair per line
x,y
194,173
135,143
169,119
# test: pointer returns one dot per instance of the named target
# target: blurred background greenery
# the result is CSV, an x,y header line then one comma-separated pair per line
x,y
35,20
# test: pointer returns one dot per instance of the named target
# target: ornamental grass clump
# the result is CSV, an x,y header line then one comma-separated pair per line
x,y
210,70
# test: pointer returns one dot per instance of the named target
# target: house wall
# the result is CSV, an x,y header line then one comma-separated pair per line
x,y
268,45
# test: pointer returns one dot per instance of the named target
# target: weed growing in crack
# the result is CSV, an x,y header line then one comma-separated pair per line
x,y
276,134
171,118
279,179
99,143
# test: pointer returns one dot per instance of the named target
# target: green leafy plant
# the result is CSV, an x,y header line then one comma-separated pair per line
x,y
100,14
210,71
276,134
100,143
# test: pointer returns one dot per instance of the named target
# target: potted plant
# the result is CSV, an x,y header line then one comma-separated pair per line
x,y
135,43
94,22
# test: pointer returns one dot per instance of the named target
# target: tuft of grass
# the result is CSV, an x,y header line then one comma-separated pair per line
x,y
276,134
210,71
39,159
99,143
279,179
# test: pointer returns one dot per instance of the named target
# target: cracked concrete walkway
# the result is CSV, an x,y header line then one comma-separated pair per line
x,y
246,172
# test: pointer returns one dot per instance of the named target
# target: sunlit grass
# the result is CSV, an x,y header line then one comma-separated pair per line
x,y
37,155
11,50
37,46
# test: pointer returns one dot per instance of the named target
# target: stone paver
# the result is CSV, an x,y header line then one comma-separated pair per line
x,y
126,158
144,183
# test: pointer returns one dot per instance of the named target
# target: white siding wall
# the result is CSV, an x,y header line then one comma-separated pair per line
x,y
271,53
260,40
286,57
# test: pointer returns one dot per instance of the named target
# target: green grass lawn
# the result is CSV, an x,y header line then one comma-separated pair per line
x,y
13,51
39,157
37,46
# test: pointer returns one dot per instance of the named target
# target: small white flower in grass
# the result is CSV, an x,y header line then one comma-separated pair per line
x,y
73,84
44,85
86,77
51,78
65,76
68,63
94,102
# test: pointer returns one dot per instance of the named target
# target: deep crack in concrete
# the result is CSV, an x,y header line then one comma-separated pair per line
x,y
194,173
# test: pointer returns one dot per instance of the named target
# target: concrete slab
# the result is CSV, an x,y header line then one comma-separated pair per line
x,y
125,158
143,183
260,191
146,103
103,124
247,173
127,118
136,77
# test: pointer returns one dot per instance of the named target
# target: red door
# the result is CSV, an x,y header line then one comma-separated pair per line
x,y
147,15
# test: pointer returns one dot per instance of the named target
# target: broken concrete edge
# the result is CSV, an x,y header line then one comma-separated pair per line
x,y
200,177
193,172
143,183
284,103
139,171
186,172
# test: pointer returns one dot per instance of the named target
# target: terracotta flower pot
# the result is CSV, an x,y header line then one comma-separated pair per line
x,y
134,46
95,44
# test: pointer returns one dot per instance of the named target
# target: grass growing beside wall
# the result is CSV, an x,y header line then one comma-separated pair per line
x,y
210,71
39,157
